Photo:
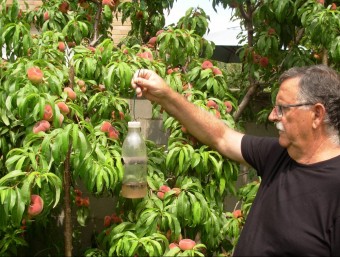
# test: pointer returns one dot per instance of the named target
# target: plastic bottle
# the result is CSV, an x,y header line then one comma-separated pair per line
x,y
135,158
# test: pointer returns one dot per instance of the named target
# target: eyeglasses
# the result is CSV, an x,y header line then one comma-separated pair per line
x,y
278,109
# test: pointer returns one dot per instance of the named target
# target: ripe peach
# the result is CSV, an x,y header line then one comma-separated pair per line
x,y
186,244
36,205
146,55
105,126
116,219
113,133
86,202
63,107
173,245
264,61
91,48
333,7
152,41
110,3
217,114
61,46
42,125
212,104
207,65
237,214
81,83
107,221
35,75
63,7
164,188
159,32
48,113
121,115
79,201
78,192
46,16
160,195
70,93
256,57
177,190
217,71
229,106
271,31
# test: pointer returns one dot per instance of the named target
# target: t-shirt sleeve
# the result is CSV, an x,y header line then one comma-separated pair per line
x,y
335,238
261,153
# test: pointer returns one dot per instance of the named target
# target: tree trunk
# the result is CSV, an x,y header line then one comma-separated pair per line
x,y
67,206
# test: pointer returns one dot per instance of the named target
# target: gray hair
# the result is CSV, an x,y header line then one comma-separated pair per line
x,y
319,84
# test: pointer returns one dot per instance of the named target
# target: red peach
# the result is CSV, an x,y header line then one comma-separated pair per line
x,y
186,244
152,41
107,221
177,190
81,83
212,104
105,126
86,202
113,133
70,93
271,31
42,125
173,245
229,106
63,7
216,71
63,107
35,75
207,65
160,195
36,205
48,113
159,32
264,62
46,16
61,46
79,201
164,188
237,214
78,192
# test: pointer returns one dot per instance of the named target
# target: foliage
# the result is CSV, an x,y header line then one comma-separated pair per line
x,y
49,150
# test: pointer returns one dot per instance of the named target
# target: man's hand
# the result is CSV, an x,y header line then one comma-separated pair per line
x,y
148,84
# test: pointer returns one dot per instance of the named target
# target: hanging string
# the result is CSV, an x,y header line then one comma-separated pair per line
x,y
134,101
134,106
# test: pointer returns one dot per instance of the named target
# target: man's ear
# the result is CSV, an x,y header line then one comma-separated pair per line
x,y
319,114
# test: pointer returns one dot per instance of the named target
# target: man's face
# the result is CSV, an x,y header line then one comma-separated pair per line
x,y
294,123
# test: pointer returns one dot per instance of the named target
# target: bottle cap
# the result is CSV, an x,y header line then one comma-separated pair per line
x,y
134,124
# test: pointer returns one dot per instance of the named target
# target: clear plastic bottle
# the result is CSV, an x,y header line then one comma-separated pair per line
x,y
135,158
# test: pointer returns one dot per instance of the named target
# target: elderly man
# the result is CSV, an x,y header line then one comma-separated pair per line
x,y
297,208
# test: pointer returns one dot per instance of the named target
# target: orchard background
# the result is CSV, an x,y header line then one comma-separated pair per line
x,y
65,100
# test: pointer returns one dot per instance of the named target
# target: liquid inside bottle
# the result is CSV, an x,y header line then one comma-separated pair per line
x,y
135,160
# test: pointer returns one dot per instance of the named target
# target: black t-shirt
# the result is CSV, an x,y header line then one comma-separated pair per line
x,y
296,211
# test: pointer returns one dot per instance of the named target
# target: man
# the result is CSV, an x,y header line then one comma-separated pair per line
x,y
297,208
